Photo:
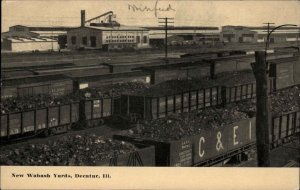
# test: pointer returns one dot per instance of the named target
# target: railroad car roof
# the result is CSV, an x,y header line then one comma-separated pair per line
x,y
52,66
71,68
251,56
33,79
79,78
143,62
229,58
285,60
184,64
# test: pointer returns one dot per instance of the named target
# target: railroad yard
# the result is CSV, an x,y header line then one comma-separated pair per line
x,y
134,109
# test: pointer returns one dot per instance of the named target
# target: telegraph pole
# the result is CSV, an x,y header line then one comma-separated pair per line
x,y
166,22
268,23
259,68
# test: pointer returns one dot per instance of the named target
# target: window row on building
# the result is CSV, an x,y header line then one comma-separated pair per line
x,y
119,37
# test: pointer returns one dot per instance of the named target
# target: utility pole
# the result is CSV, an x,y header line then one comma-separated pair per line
x,y
268,23
166,22
259,68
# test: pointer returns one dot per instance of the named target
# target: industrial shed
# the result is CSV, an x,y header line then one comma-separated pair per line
x,y
16,44
238,34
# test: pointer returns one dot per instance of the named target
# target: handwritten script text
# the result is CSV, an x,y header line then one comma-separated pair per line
x,y
154,9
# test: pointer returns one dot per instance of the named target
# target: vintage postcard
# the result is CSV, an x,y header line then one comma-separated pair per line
x,y
150,94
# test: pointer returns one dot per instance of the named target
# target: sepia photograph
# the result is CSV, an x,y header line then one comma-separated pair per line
x,y
94,88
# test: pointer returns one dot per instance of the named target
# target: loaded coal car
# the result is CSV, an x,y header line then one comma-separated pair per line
x,y
21,118
101,104
170,97
285,114
176,96
284,127
79,150
285,108
99,94
202,138
53,85
236,86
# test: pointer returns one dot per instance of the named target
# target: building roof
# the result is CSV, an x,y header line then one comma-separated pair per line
x,y
3,34
184,28
124,28
263,29
21,39
271,27
46,28
50,28
49,33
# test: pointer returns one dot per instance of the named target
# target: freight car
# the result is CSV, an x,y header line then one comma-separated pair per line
x,y
238,63
76,70
177,71
94,81
199,67
94,111
54,69
62,84
212,146
286,72
140,107
129,66
192,140
26,71
178,96
90,108
54,85
46,120
284,126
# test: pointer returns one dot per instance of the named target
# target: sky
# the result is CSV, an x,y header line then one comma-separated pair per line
x,y
184,12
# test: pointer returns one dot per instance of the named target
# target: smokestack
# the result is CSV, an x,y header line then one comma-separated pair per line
x,y
82,18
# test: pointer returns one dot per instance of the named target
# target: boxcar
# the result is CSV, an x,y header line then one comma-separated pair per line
x,y
94,81
54,85
285,72
238,63
181,70
129,66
